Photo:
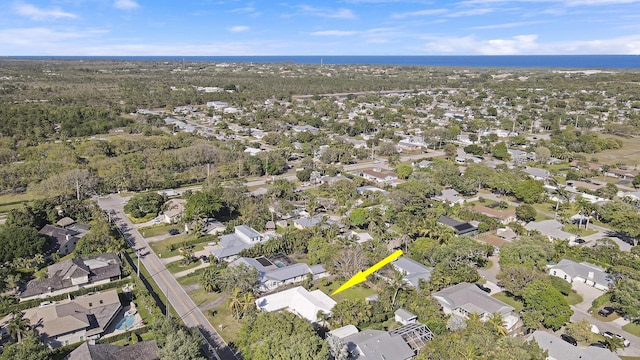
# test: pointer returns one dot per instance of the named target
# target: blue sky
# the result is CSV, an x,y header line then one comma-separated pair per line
x,y
343,27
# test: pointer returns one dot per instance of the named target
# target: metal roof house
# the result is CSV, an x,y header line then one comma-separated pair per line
x,y
413,271
272,274
231,245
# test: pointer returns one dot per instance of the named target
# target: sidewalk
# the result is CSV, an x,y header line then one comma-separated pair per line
x,y
187,272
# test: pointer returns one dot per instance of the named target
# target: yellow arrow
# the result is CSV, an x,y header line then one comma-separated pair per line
x,y
362,275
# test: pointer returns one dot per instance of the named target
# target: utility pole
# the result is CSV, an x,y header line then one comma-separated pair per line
x,y
77,190
138,268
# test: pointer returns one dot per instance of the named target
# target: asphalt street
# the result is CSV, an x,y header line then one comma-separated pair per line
x,y
186,309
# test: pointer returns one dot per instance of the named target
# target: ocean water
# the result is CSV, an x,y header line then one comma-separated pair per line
x,y
489,61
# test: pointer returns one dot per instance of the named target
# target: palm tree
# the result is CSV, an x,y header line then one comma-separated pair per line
x,y
247,300
235,303
613,343
497,323
397,282
18,327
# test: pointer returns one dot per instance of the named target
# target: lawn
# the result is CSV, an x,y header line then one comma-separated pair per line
x,y
226,325
155,230
632,328
163,248
629,153
573,298
177,266
356,292
573,229
509,300
12,201
201,297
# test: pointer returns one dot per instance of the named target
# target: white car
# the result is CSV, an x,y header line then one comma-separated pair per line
x,y
610,335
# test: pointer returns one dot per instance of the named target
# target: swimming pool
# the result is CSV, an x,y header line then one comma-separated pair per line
x,y
126,323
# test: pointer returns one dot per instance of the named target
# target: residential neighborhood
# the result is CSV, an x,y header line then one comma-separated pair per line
x,y
227,219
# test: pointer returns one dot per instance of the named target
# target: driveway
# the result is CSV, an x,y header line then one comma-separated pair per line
x,y
588,293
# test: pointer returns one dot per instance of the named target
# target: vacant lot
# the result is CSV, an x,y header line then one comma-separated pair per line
x,y
629,154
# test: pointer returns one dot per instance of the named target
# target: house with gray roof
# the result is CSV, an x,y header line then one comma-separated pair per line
x,y
308,222
362,189
558,349
230,245
377,344
464,299
60,239
538,174
551,229
70,321
449,196
584,272
412,270
72,275
144,350
273,274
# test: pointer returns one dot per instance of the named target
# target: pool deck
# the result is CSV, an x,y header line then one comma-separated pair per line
x,y
112,330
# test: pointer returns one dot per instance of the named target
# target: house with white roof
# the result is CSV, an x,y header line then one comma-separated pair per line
x,y
378,176
217,105
231,245
412,270
464,299
299,301
583,272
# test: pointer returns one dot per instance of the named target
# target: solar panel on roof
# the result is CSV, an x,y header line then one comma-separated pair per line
x,y
264,261
464,226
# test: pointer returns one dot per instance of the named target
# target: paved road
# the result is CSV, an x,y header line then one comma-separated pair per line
x,y
178,298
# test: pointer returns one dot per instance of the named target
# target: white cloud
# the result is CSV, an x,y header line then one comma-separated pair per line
x,y
340,13
471,12
426,12
529,45
237,29
334,33
36,13
506,25
126,4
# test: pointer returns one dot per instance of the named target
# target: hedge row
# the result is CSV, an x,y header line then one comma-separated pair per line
x,y
124,335
36,302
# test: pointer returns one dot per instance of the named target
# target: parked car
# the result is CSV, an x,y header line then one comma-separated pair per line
x,y
569,339
611,335
606,311
174,232
599,344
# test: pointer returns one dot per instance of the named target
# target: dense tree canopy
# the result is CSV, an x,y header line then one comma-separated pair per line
x,y
20,242
144,203
280,336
